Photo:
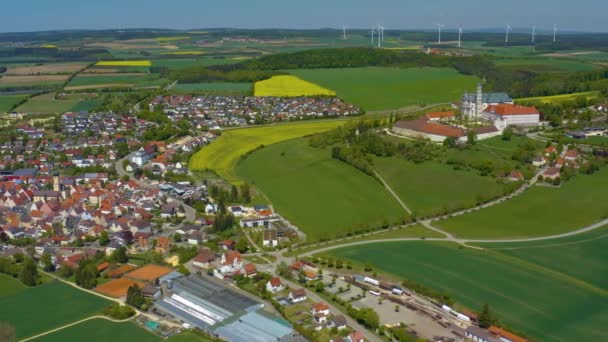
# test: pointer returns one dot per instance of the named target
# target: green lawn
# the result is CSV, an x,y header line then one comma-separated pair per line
x,y
542,304
320,195
101,330
41,308
431,188
540,211
546,64
7,102
377,88
566,255
9,286
222,155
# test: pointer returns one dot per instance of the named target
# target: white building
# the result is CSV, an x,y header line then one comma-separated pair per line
x,y
472,105
504,115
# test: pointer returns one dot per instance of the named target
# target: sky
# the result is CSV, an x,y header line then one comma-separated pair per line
x,y
38,15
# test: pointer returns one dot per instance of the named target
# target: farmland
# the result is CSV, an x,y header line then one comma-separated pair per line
x,y
322,196
188,62
48,103
432,187
115,79
49,306
589,95
565,255
32,81
9,286
547,64
214,88
399,87
135,63
222,155
46,69
100,330
7,102
286,85
541,303
540,211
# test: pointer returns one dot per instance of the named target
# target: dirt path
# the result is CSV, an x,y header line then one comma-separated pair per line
x,y
393,193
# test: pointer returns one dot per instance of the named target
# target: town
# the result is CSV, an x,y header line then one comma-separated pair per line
x,y
334,185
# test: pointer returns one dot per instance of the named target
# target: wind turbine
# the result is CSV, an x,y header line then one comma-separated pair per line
x,y
380,35
533,33
372,32
554,33
439,26
343,32
507,34
459,35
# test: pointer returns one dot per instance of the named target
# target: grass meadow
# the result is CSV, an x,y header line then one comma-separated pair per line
x,y
431,188
222,155
322,196
377,88
547,64
539,211
177,63
101,330
7,102
590,95
214,88
47,104
100,80
565,255
9,286
289,86
544,305
38,309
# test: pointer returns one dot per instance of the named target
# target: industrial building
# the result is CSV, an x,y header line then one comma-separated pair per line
x,y
210,305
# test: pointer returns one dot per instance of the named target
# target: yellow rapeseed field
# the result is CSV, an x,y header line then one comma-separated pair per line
x,y
136,63
171,39
288,86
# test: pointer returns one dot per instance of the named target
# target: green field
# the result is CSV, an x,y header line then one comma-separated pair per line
x,y
189,62
322,196
42,308
222,155
238,88
101,330
540,211
7,102
589,95
85,80
46,103
432,188
9,286
546,64
378,88
565,255
542,304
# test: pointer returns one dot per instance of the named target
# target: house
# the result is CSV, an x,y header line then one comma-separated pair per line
x,y
512,115
250,270
551,173
230,263
339,322
539,161
270,238
516,176
227,245
162,244
477,334
355,336
571,155
296,296
274,285
203,258
320,308
550,150
236,210
438,116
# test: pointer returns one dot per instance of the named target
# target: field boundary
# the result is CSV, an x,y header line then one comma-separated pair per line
x,y
76,323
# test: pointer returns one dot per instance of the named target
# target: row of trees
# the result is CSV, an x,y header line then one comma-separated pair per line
x,y
24,268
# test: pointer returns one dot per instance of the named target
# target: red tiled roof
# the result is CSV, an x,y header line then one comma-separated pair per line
x,y
275,282
438,115
320,306
510,109
250,268
506,334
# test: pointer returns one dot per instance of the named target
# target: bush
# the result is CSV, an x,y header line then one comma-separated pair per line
x,y
118,311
